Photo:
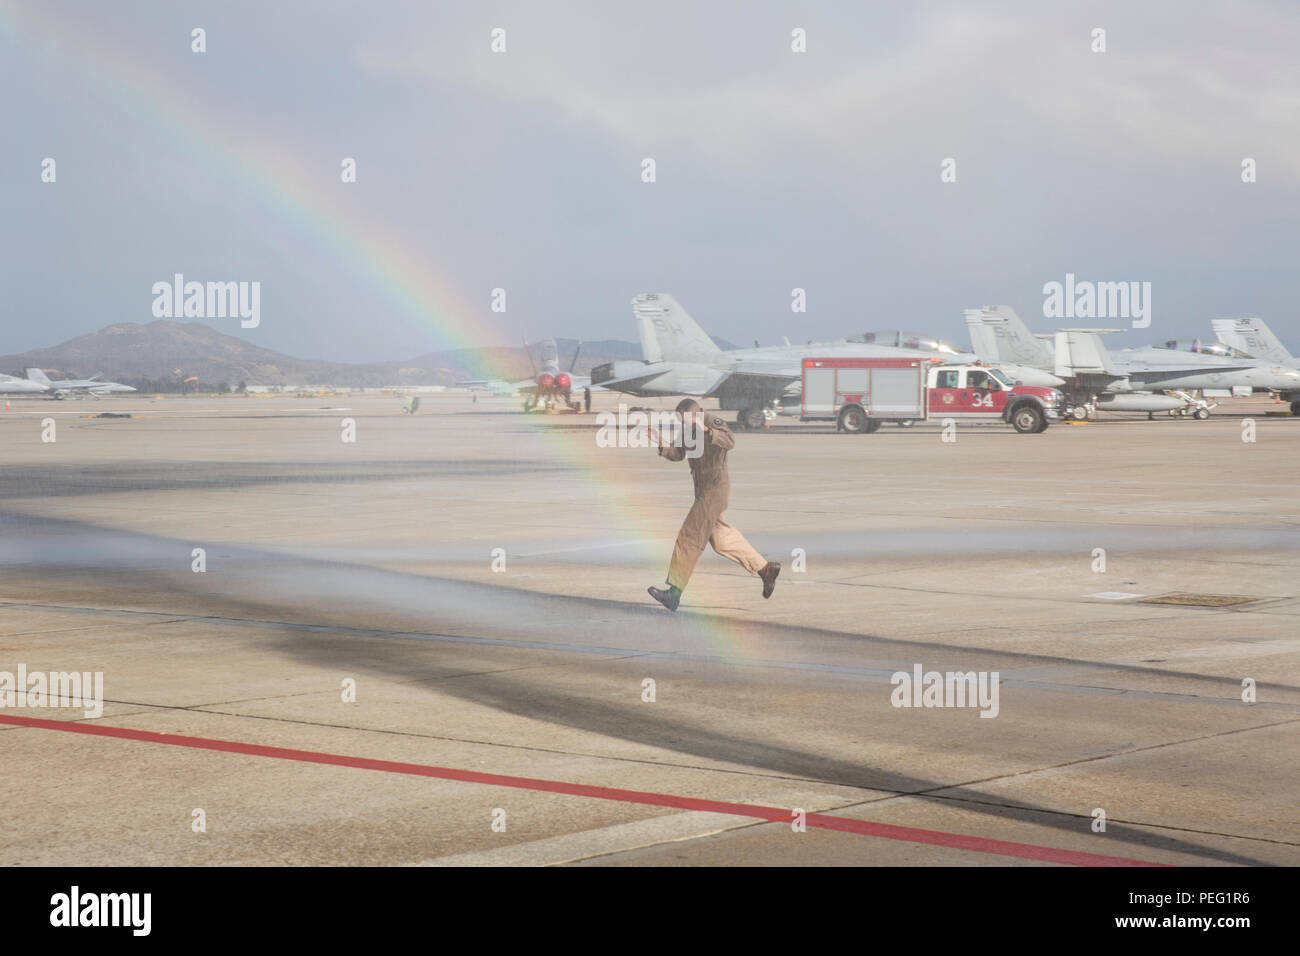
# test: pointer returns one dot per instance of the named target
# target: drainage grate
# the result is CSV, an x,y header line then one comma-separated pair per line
x,y
1200,600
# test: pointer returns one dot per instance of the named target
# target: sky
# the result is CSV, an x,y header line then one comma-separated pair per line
x,y
522,170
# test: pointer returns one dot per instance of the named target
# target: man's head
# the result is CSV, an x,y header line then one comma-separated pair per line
x,y
689,409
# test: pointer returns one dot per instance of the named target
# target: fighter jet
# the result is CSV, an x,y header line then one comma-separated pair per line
x,y
679,358
1254,337
1124,380
9,385
550,388
65,387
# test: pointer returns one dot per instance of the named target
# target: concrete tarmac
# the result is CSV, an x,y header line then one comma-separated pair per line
x,y
433,645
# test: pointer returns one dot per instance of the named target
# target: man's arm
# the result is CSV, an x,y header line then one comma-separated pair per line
x,y
671,452
719,433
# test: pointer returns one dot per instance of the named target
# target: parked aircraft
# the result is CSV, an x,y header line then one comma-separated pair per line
x,y
679,358
9,385
1256,338
1123,380
551,388
65,386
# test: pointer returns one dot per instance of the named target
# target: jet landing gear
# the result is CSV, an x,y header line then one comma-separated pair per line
x,y
1197,407
754,419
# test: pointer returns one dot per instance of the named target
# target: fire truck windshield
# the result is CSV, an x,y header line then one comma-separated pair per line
x,y
1000,377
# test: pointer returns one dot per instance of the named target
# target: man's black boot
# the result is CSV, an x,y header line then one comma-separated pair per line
x,y
768,574
667,598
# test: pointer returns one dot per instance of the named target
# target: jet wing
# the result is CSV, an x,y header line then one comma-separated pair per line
x,y
752,381
1155,374
628,383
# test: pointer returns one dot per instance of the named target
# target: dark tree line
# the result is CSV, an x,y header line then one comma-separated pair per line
x,y
170,385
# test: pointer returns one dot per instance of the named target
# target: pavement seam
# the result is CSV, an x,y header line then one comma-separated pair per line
x,y
937,794
818,820
205,709
934,793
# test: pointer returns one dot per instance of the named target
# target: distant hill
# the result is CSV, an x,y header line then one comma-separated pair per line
x,y
144,354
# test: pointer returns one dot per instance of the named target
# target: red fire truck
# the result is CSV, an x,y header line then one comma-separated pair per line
x,y
860,394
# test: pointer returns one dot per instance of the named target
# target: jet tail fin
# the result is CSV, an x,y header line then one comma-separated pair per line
x,y
550,356
1080,351
983,342
999,332
37,375
669,334
1253,336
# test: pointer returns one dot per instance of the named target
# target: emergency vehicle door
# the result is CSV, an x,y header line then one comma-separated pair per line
x,y
946,396
984,393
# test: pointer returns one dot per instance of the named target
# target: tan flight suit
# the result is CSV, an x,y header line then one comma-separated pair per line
x,y
704,522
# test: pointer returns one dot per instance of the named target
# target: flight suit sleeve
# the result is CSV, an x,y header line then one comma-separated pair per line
x,y
672,452
720,435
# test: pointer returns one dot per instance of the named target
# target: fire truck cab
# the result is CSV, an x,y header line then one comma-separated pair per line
x,y
860,394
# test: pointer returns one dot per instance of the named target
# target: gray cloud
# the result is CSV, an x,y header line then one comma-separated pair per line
x,y
520,170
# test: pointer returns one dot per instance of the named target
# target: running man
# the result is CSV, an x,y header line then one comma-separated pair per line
x,y
704,523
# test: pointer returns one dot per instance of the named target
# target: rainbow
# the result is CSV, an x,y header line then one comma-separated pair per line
x,y
308,199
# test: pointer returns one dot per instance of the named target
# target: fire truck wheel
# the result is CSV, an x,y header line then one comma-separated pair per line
x,y
854,421
1026,419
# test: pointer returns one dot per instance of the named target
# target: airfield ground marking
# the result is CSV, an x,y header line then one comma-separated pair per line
x,y
1024,851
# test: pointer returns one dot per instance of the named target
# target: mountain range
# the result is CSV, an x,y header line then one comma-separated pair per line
x,y
135,353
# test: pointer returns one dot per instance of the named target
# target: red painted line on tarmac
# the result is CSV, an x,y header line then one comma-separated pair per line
x,y
957,841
